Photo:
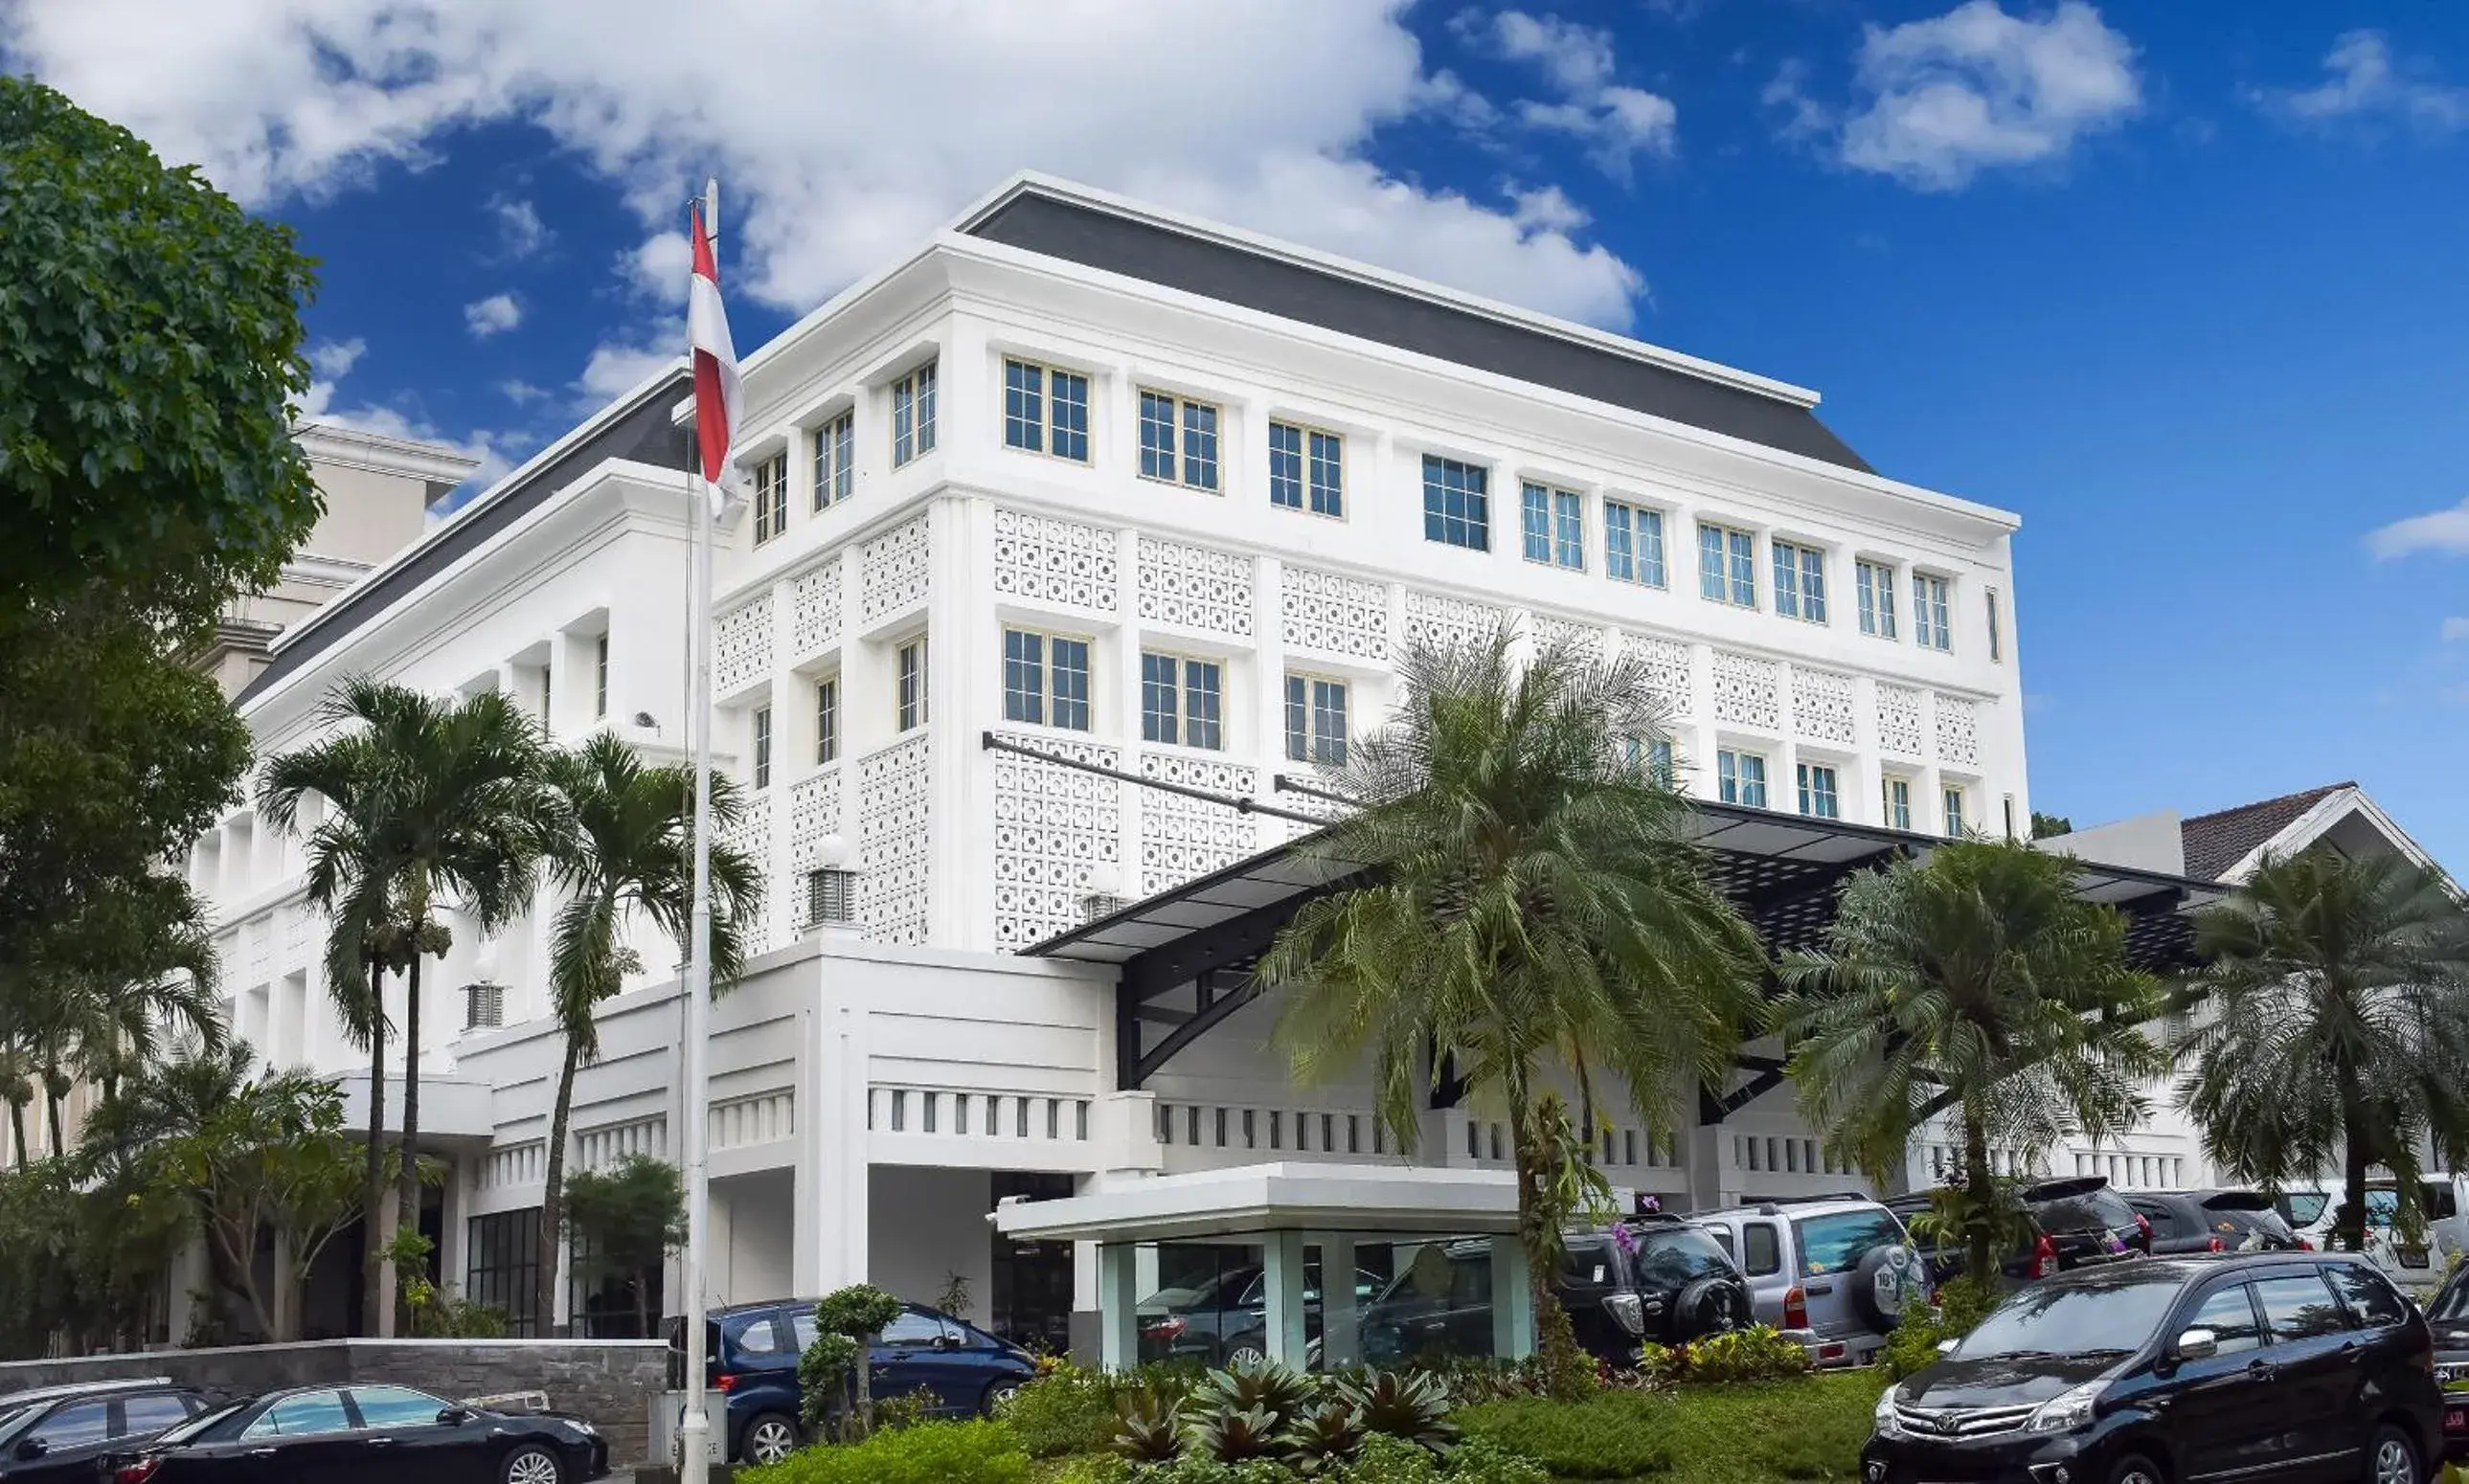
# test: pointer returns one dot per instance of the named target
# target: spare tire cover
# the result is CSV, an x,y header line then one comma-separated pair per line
x,y
1709,1306
1888,1281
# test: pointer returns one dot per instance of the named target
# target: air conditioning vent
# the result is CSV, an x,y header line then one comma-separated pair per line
x,y
831,897
484,1005
1098,904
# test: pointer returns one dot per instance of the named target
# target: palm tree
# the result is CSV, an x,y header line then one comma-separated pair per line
x,y
431,800
1974,983
630,851
1531,912
2331,1026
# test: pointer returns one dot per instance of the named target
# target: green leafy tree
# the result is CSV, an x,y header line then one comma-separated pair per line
x,y
833,1380
2048,827
623,1222
428,802
629,856
2330,1026
1528,910
1976,986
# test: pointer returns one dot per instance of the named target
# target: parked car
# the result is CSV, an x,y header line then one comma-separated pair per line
x,y
367,1435
2270,1366
752,1352
2212,1221
65,1432
2416,1266
1652,1278
2077,1222
1224,1321
1833,1272
2447,1312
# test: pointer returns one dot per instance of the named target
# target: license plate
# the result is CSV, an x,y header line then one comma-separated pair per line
x,y
2455,1422
2451,1374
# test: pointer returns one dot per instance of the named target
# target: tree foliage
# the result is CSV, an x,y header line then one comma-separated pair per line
x,y
1527,912
624,1222
2048,827
2329,1028
1976,986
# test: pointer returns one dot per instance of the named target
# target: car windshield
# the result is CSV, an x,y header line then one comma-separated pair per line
x,y
1836,1242
2117,1311
2303,1206
2452,1305
1674,1258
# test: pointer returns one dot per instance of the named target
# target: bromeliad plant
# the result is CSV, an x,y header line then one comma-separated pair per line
x,y
1315,1428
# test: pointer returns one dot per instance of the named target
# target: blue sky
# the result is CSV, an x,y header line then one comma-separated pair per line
x,y
2180,282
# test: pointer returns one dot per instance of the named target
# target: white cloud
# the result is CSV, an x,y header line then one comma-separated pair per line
x,y
2455,630
521,231
618,367
335,358
2363,80
1617,122
1801,116
522,393
1939,101
494,315
2445,532
831,128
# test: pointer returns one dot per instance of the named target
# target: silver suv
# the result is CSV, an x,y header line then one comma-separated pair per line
x,y
1835,1272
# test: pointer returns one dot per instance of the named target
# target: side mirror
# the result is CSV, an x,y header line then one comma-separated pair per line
x,y
2197,1345
33,1447
1947,1347
454,1416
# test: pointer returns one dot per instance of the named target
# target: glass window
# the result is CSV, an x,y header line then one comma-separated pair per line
x,y
1286,466
1668,1258
1995,657
1761,1249
1727,565
309,1413
762,1337
502,1256
762,746
1070,672
1180,701
2229,1314
1024,406
1928,613
1046,677
1169,424
1817,797
1325,474
1800,581
1199,445
600,675
1316,719
1457,506
911,664
827,720
2299,1307
2369,1296
911,1331
1898,803
1553,524
145,1416
835,460
803,1328
912,415
771,497
1741,778
1837,1242
1654,754
1634,544
75,1425
1067,405
396,1406
1046,410
1877,590
2114,1314
1954,824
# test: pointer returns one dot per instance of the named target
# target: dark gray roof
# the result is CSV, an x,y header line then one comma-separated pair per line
x,y
2216,841
642,433
1080,231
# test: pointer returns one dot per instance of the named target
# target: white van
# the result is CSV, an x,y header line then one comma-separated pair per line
x,y
2309,1211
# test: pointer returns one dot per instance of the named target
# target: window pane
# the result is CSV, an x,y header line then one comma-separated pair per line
x,y
2299,1307
1744,568
1069,410
1760,1250
912,1332
925,379
1327,489
827,721
1619,557
1753,780
2368,1295
1158,699
1864,579
1297,719
2229,1314
1023,676
1200,446
1649,547
1534,520
1024,406
1568,529
1328,723
1457,508
1201,682
1727,776
75,1425
396,1406
1287,465
143,1417
762,746
1787,575
1157,436
308,1413
1886,604
1070,677
1710,562
1813,586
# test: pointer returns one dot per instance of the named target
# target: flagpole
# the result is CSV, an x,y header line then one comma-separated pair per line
x,y
694,1429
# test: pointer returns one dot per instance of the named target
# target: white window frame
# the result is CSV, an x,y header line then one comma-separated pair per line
x,y
1799,580
1954,805
1306,717
1642,526
834,459
1875,583
827,719
1183,687
759,747
1183,468
1807,789
1052,703
1734,570
771,495
1032,421
1997,641
600,674
913,414
1734,779
909,665
1475,491
1895,814
1551,525
1932,611
1310,458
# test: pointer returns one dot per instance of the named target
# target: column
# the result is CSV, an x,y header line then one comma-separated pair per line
x,y
1512,1305
1119,1298
1707,1178
1341,1329
1283,1280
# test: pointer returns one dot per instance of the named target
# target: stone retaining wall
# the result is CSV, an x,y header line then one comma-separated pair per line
x,y
610,1382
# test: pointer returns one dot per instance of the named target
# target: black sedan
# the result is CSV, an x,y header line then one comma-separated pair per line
x,y
369,1435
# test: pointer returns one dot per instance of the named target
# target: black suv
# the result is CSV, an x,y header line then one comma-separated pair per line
x,y
2212,1221
2076,1223
2448,1312
2272,1367
1650,1278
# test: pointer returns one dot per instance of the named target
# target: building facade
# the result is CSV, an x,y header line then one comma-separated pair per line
x,y
1147,494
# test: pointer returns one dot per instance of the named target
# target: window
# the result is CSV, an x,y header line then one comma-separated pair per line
x,y
1954,811
1163,419
2299,1308
1876,585
1457,510
1995,644
307,1414
1654,754
600,675
1818,798
1928,613
1898,802
835,460
1741,778
2370,1297
771,497
1555,526
1316,719
912,415
1046,679
1046,410
396,1406
502,1264
827,720
1761,1249
145,1416
762,747
1727,565
911,663
1180,701
1800,581
1306,465
912,1332
1634,544
2229,1314
75,1425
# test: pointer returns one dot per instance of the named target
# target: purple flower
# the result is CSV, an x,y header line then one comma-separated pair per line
x,y
1625,1238
2116,1245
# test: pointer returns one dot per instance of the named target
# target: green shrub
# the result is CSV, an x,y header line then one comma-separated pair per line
x,y
1413,1407
1808,1429
1074,1410
1483,1461
934,1453
1758,1353
1959,1306
1388,1460
1615,1435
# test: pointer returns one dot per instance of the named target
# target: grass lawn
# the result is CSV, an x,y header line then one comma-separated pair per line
x,y
1808,1430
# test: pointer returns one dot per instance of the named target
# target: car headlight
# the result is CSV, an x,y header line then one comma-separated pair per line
x,y
2067,1411
582,1426
1887,1423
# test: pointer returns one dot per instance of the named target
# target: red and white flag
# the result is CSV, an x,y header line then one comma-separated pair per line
x,y
715,369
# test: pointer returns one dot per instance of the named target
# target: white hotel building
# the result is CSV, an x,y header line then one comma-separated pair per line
x,y
1164,498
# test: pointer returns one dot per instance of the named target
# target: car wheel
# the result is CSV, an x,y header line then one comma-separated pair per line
x,y
2136,1469
2392,1459
999,1396
532,1464
768,1439
1245,1354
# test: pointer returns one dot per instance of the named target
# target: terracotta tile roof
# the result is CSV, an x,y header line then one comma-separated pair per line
x,y
2217,842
